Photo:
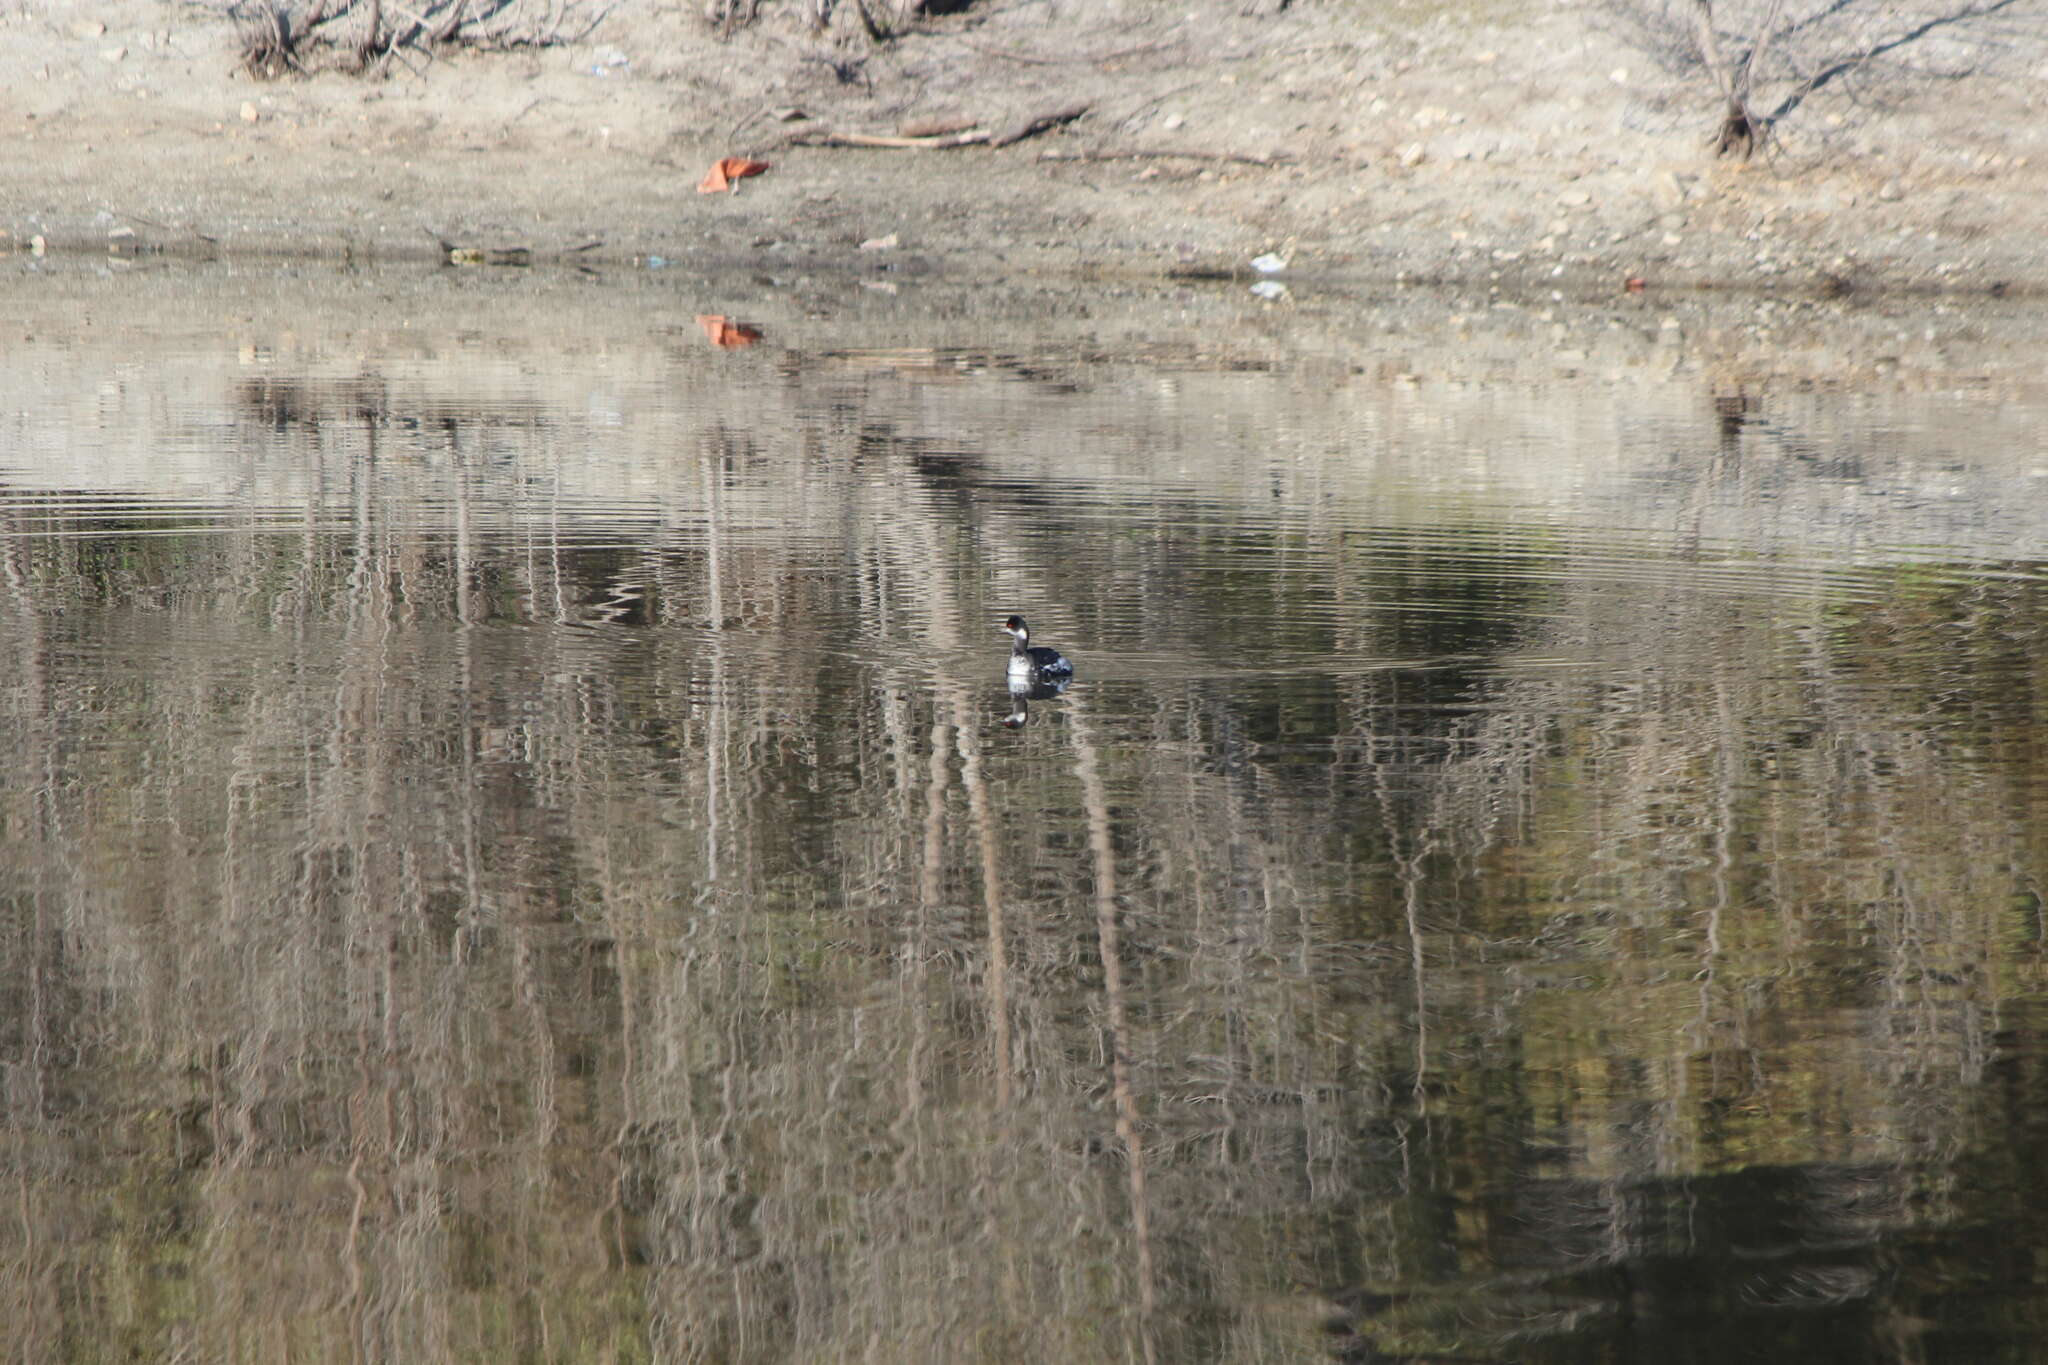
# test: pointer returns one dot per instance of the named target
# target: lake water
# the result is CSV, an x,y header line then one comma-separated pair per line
x,y
514,851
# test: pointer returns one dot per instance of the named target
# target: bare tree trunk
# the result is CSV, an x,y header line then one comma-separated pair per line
x,y
373,34
1739,127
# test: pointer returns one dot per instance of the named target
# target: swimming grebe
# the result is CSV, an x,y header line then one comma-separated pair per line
x,y
1028,658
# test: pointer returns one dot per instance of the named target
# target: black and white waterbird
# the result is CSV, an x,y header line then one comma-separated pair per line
x,y
1028,659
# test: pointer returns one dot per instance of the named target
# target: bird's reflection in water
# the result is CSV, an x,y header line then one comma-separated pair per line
x,y
1036,672
1026,688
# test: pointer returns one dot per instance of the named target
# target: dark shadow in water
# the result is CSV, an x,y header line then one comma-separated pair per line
x,y
1670,1271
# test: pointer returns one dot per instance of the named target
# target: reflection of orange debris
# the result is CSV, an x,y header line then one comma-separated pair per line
x,y
727,170
1634,284
726,334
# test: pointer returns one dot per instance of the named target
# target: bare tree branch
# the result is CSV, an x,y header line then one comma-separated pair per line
x,y
1795,47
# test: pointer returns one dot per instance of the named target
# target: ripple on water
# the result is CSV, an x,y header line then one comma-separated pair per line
x,y
1517,869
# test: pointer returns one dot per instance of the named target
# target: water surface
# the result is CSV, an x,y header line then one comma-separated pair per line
x,y
515,853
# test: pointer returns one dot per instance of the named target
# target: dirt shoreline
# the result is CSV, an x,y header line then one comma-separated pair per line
x,y
1427,144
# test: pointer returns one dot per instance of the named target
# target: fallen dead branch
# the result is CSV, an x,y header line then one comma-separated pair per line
x,y
1080,59
936,127
453,253
1032,124
1162,154
831,139
968,135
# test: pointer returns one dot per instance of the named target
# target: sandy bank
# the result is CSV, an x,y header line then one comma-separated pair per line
x,y
1431,143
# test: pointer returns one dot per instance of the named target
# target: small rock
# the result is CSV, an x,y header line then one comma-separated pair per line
x,y
249,114
120,232
880,243
1173,122
1667,190
1269,264
1413,155
88,28
1575,199
1619,75
113,54
37,245
1891,191
791,115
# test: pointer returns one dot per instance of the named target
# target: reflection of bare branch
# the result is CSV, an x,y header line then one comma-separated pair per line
x,y
991,893
1109,948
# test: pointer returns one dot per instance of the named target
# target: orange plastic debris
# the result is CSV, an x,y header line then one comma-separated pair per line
x,y
726,334
726,170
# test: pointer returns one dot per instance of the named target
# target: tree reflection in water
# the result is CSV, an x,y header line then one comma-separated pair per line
x,y
1524,880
